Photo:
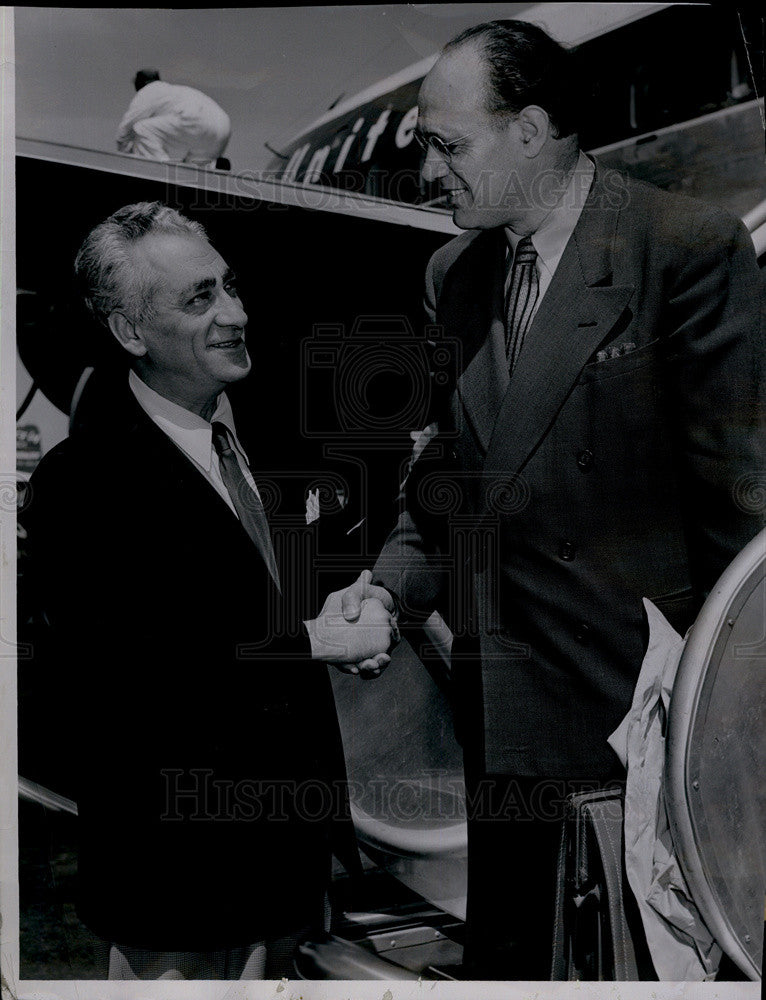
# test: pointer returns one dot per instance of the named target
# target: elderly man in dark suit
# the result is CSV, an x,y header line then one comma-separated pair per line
x,y
607,419
202,729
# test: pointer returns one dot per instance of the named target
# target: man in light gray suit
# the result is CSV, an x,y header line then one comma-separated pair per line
x,y
606,420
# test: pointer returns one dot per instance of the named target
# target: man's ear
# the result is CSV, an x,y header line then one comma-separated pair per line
x,y
127,333
535,126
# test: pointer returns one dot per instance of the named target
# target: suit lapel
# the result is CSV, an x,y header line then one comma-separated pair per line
x,y
471,309
574,317
177,475
174,476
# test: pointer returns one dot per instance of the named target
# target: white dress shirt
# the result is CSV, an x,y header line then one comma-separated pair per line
x,y
192,434
554,232
167,121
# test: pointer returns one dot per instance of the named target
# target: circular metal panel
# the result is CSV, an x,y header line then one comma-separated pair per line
x,y
716,760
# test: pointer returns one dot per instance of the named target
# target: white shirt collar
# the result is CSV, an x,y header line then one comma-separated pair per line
x,y
554,232
192,433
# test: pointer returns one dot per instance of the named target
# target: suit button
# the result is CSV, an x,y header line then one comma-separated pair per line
x,y
582,633
567,551
585,460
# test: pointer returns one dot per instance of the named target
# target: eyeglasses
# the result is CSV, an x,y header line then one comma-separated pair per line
x,y
438,145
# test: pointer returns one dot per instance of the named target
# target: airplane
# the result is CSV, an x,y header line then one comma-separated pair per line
x,y
687,117
669,95
671,98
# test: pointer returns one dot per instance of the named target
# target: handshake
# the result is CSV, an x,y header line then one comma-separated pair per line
x,y
355,628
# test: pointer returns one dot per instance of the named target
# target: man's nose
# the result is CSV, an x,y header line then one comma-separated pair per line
x,y
230,311
434,166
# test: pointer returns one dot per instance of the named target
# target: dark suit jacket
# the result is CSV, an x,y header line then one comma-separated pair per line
x,y
204,740
618,464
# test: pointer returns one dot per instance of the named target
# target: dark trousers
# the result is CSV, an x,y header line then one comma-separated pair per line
x,y
514,834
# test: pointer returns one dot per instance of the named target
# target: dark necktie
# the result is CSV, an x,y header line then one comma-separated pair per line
x,y
246,501
523,291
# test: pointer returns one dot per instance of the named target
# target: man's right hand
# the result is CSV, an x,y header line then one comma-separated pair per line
x,y
362,589
349,604
354,647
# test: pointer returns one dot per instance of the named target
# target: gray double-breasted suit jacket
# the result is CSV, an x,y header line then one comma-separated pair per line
x,y
620,461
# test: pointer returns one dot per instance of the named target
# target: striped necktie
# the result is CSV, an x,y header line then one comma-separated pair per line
x,y
246,501
523,289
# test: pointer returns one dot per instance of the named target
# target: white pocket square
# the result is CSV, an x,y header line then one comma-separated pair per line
x,y
615,351
312,506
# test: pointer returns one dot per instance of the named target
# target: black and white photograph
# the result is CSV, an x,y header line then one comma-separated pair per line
x,y
383,607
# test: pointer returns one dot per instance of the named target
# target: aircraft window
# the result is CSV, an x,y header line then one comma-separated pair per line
x,y
675,65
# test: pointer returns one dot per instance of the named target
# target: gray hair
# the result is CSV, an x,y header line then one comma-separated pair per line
x,y
106,268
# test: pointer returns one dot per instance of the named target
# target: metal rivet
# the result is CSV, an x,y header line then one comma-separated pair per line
x,y
730,622
695,784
